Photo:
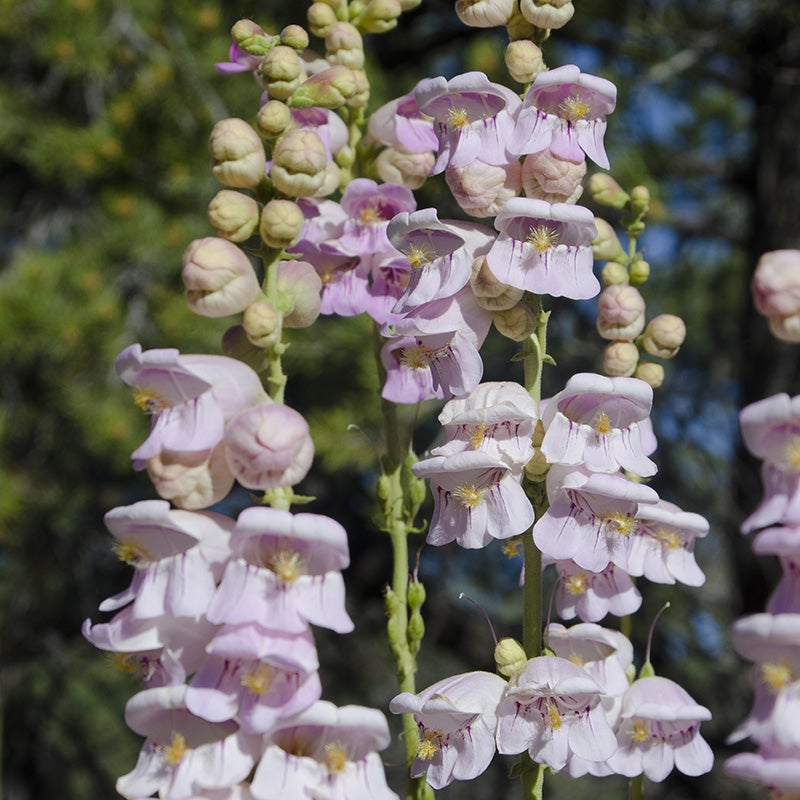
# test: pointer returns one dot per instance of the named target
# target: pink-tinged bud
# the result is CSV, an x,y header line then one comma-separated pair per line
x,y
233,215
262,324
380,16
344,46
298,163
639,271
484,13
650,372
331,88
489,292
191,480
268,446
273,119
545,176
281,72
238,154
483,189
664,335
408,169
251,37
547,15
606,191
295,36
218,277
281,224
640,200
614,274
620,359
606,246
524,60
517,323
620,312
320,18
235,344
776,283
299,293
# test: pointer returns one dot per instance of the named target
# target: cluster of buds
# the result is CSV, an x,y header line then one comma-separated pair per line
x,y
621,308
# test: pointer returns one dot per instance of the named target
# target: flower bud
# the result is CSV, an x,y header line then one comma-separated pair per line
x,y
546,176
785,327
360,97
489,292
664,335
238,154
331,180
344,46
409,5
299,293
640,201
298,163
524,60
235,344
268,446
320,18
233,215
295,36
281,224
547,15
416,594
620,359
331,88
620,312
509,655
251,37
191,480
606,191
519,28
613,273
483,189
517,323
408,169
262,324
650,372
484,13
380,16
537,467
218,277
639,271
776,283
281,72
606,246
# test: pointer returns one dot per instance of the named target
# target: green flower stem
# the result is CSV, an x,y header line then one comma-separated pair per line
x,y
533,781
636,788
276,377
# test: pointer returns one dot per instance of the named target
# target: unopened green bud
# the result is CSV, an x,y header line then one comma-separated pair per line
x,y
295,36
416,594
408,5
380,16
620,359
298,163
252,38
537,467
614,274
235,344
639,272
664,335
273,119
330,88
538,434
606,191
640,201
361,96
320,18
344,46
606,246
281,223
650,372
415,488
517,323
415,632
299,290
233,215
509,656
383,489
262,324
519,28
523,60
238,154
281,72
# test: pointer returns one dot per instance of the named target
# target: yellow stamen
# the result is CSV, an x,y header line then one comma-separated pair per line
x,y
286,564
477,436
335,756
553,717
457,117
370,215
259,679
132,553
124,662
574,108
776,675
470,496
639,732
792,452
511,548
576,659
669,538
602,423
418,256
430,745
623,524
576,584
542,237
416,356
149,401
175,750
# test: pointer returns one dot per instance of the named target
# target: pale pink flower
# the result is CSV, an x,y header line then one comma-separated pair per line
x,y
407,380
780,773
399,123
456,718
239,61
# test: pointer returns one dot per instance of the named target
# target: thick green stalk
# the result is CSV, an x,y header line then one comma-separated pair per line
x,y
636,788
